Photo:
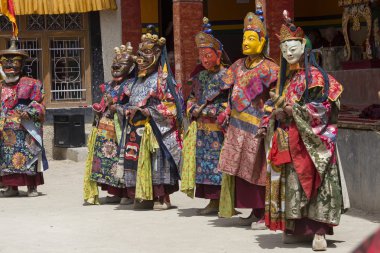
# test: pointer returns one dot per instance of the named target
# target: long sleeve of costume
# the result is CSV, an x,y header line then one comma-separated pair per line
x,y
313,121
211,110
269,107
36,108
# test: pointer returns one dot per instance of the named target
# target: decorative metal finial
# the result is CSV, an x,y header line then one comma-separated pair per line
x,y
13,43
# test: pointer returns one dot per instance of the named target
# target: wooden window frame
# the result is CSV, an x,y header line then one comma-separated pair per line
x,y
44,37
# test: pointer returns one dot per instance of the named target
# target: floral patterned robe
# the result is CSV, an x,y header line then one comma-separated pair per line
x,y
20,147
303,178
207,90
105,158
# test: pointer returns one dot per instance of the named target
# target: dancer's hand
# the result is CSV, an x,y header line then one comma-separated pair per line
x,y
24,115
145,112
196,112
280,114
112,108
288,110
261,133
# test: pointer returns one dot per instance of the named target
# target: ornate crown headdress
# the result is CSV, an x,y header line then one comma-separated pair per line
x,y
151,38
205,39
154,39
124,51
289,31
255,21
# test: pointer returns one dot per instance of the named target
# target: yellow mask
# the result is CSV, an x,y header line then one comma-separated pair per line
x,y
252,44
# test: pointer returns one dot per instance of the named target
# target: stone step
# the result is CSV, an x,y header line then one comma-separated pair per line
x,y
77,154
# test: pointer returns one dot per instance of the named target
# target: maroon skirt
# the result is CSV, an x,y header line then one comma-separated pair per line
x,y
159,191
119,192
206,191
249,195
309,227
22,180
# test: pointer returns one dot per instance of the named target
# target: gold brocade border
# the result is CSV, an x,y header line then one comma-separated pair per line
x,y
208,126
243,116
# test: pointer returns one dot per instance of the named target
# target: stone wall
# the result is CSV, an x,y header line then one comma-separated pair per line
x,y
361,86
187,21
359,151
110,25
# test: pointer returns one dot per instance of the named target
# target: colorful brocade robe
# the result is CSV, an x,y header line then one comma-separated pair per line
x,y
303,179
242,154
152,93
21,140
105,151
207,90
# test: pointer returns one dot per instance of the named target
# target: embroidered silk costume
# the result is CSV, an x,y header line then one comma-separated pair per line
x,y
207,100
22,155
304,195
104,166
243,155
154,115
207,90
105,160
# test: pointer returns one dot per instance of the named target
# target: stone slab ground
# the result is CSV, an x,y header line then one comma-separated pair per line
x,y
58,222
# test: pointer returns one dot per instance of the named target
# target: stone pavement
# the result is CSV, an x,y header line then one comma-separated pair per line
x,y
57,222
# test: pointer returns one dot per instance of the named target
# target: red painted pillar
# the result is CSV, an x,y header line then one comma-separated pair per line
x,y
187,22
131,21
274,19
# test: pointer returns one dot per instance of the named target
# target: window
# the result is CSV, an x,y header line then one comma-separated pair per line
x,y
59,55
66,61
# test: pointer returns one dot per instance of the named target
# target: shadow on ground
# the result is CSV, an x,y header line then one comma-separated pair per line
x,y
228,222
24,194
189,212
272,241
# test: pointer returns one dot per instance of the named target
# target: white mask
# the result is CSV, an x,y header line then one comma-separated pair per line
x,y
292,50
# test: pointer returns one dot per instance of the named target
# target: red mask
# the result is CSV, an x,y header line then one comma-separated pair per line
x,y
209,58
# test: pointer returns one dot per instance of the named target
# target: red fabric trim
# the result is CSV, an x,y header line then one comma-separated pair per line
x,y
274,225
303,165
276,156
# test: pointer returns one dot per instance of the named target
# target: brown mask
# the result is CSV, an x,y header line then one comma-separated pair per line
x,y
149,53
12,67
123,63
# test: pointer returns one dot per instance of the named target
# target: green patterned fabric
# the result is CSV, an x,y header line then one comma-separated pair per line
x,y
90,188
117,127
326,207
227,197
144,185
189,161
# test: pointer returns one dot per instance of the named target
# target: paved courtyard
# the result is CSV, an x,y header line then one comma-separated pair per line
x,y
58,222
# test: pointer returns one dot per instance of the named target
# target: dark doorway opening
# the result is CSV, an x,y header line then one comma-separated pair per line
x,y
166,23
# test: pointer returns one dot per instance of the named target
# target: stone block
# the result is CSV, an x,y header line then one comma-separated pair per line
x,y
77,154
